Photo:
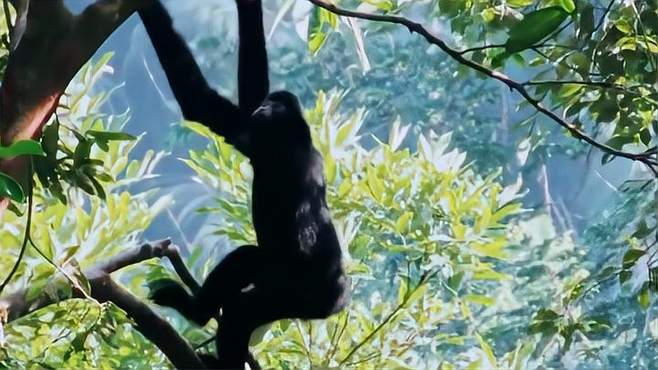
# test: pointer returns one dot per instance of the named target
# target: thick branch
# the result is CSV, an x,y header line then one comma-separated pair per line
x,y
104,289
49,46
513,85
152,326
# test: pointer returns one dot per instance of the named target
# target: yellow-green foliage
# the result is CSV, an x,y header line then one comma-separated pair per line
x,y
76,235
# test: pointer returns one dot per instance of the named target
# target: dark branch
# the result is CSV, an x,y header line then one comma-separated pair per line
x,y
500,46
21,253
152,326
607,85
104,289
603,17
594,84
482,47
174,257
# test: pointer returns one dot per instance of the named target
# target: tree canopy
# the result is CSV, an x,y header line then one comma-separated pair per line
x,y
491,169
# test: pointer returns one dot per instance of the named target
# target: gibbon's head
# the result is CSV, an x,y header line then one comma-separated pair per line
x,y
278,125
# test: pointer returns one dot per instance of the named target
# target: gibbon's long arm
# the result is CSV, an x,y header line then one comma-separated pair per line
x,y
253,80
198,101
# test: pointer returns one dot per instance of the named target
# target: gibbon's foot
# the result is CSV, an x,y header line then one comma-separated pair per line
x,y
170,293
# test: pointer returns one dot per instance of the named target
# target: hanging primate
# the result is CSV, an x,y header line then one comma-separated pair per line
x,y
296,270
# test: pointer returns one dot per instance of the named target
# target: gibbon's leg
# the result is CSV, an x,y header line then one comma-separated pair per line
x,y
285,288
252,309
235,272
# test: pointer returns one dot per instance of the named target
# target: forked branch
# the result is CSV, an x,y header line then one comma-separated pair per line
x,y
105,289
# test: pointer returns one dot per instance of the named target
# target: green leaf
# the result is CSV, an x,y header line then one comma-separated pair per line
x,y
597,324
568,5
479,299
631,257
402,224
643,298
321,22
376,185
110,136
519,3
487,350
49,138
534,27
83,181
642,230
618,142
645,136
22,147
546,314
98,187
454,282
258,334
385,5
624,276
10,188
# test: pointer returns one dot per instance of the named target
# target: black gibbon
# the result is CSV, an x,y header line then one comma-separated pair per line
x,y
296,270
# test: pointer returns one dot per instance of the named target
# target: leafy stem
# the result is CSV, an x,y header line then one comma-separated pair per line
x,y
26,234
423,280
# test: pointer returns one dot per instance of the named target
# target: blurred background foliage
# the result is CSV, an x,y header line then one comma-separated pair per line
x,y
477,234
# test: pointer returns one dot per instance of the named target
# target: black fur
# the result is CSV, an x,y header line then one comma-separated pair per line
x,y
296,269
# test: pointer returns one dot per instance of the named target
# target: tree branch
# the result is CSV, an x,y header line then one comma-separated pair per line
x,y
500,46
607,85
48,47
594,84
513,85
481,47
104,289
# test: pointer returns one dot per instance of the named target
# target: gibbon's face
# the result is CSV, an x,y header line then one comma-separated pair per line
x,y
279,121
277,106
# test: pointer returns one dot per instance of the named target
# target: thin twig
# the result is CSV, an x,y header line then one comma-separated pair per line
x,y
603,17
173,255
423,280
607,85
644,35
205,342
73,282
335,338
500,46
26,233
559,61
483,47
367,358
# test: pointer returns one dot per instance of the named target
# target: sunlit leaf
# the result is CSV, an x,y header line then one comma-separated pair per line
x,y
22,147
568,5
